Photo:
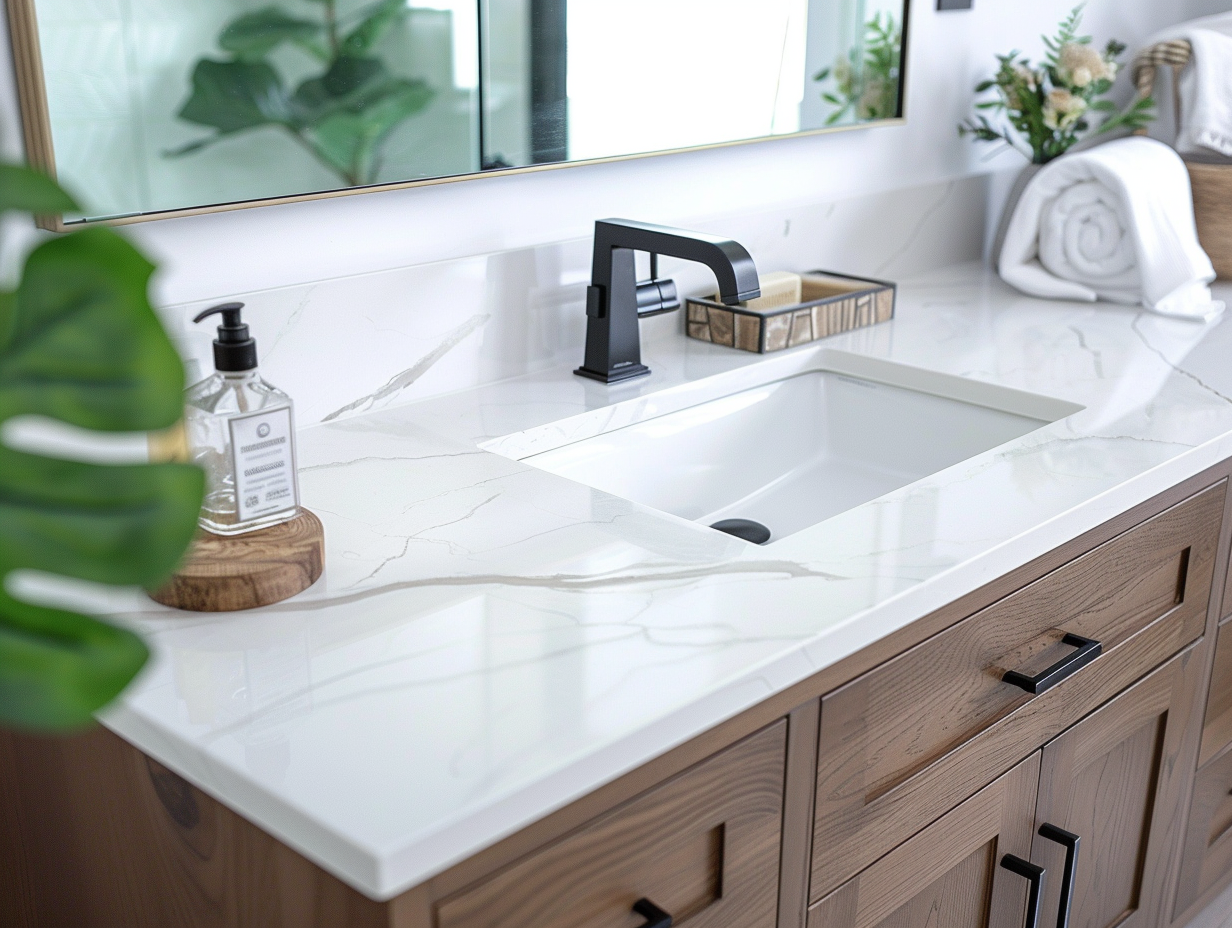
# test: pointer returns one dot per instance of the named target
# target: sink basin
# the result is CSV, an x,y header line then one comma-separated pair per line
x,y
796,450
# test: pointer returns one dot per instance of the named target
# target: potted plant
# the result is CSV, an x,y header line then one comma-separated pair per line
x,y
1047,109
80,343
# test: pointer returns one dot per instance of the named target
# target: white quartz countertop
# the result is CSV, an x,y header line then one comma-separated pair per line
x,y
490,641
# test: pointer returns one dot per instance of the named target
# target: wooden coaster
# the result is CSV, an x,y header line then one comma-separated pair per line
x,y
229,573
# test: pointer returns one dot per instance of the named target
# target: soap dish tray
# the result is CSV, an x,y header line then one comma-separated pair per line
x,y
830,304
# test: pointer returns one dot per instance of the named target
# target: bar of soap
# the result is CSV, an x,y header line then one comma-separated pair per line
x,y
778,289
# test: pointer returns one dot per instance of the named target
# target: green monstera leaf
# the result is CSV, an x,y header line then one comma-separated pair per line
x,y
79,342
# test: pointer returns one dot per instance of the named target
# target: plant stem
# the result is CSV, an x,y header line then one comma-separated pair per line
x,y
331,26
347,177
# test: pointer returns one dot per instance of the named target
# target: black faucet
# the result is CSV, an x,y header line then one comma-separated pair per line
x,y
615,301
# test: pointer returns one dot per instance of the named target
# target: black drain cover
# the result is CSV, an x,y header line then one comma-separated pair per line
x,y
747,529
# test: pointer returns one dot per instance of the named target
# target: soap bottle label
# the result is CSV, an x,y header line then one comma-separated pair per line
x,y
264,458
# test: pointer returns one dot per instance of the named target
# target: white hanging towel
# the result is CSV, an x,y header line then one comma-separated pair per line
x,y
1205,86
1115,223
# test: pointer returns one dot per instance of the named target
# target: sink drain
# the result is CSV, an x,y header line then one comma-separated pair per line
x,y
746,529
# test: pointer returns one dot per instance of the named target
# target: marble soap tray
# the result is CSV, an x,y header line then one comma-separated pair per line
x,y
827,304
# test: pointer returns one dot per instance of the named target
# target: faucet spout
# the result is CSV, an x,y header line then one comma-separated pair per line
x,y
613,341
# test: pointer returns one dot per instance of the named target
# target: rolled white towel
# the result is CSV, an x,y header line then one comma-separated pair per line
x,y
1116,223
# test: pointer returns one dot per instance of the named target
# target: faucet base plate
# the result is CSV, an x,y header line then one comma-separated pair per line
x,y
628,372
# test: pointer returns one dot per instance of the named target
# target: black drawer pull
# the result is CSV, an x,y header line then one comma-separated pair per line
x,y
655,916
1088,650
1036,875
1069,841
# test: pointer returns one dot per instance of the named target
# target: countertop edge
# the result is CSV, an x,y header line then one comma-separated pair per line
x,y
383,874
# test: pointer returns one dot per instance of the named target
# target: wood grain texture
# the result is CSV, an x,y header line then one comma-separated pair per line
x,y
415,905
909,740
948,874
1206,861
32,95
1225,609
1217,726
704,847
800,789
1114,780
226,574
110,838
1212,192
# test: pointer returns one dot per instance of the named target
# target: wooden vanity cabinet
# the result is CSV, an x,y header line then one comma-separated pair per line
x,y
1112,781
1206,861
704,847
912,738
905,786
1116,780
950,874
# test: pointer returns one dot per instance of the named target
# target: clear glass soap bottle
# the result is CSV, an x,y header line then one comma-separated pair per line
x,y
241,432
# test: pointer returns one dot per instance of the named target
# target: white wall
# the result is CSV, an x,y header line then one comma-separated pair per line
x,y
232,253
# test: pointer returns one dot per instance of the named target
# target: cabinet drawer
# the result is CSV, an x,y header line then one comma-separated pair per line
x,y
1207,856
704,847
1217,729
911,739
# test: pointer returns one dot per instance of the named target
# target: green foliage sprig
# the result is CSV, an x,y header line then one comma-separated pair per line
x,y
343,114
80,343
866,79
1047,107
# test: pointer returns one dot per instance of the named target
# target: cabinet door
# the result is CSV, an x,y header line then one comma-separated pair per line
x,y
1116,781
953,873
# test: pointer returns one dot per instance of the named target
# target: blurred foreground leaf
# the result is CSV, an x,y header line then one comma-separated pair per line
x,y
79,342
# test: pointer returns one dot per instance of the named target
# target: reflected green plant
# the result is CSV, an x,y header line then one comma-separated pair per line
x,y
343,114
80,343
866,79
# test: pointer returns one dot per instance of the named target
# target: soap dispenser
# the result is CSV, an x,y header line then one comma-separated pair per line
x,y
241,432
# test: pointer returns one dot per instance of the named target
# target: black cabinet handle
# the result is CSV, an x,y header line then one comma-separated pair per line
x,y
1069,841
655,916
1088,650
1025,868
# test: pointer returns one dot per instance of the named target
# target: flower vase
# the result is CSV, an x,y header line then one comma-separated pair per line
x,y
1025,176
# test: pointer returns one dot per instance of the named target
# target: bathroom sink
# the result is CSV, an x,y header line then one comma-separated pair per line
x,y
795,450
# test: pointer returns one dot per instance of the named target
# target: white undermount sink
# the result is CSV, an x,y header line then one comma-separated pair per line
x,y
797,449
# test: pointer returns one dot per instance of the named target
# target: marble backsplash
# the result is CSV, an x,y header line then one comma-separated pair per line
x,y
346,345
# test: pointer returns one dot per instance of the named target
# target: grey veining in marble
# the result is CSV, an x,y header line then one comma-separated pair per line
x,y
490,641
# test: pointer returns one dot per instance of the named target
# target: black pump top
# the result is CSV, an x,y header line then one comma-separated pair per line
x,y
234,348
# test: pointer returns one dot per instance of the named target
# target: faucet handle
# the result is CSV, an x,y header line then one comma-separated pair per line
x,y
656,297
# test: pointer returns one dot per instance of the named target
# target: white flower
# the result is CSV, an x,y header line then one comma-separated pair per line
x,y
1063,109
1080,65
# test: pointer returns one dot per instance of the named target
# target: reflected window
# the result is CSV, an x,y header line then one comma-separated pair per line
x,y
572,80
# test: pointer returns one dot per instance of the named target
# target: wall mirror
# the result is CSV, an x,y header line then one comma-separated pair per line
x,y
148,108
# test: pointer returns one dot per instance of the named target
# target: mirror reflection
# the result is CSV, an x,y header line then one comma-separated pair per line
x,y
176,104
571,80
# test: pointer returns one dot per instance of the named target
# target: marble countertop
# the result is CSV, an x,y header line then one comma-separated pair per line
x,y
490,641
